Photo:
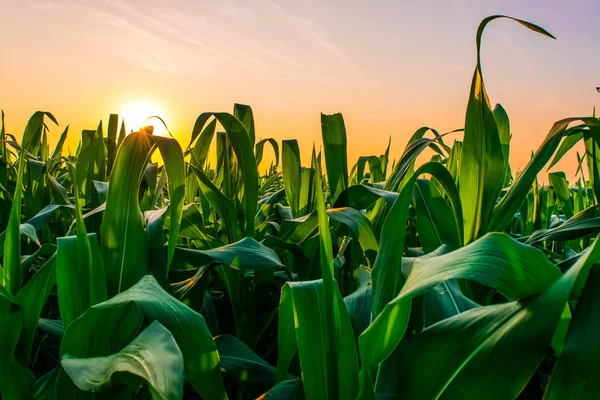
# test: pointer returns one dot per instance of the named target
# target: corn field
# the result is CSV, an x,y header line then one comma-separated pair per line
x,y
452,278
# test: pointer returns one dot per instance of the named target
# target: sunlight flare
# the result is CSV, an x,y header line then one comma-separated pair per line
x,y
137,114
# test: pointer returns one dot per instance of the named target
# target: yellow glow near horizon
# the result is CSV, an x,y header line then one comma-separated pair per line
x,y
136,115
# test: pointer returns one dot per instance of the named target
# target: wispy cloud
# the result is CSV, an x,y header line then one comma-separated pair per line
x,y
183,36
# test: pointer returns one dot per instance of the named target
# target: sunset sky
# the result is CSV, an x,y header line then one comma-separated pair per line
x,y
389,66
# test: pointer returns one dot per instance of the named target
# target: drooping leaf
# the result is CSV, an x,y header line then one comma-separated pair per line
x,y
153,356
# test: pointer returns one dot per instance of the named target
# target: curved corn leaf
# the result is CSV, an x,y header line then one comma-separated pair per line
x,y
437,222
153,356
517,331
287,390
246,255
259,147
495,260
572,136
482,167
579,225
224,207
32,136
115,322
242,364
516,194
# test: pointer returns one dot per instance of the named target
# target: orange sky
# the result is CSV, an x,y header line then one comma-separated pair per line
x,y
389,66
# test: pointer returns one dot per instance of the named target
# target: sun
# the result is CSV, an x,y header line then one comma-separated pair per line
x,y
136,115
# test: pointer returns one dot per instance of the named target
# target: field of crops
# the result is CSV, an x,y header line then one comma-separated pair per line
x,y
448,278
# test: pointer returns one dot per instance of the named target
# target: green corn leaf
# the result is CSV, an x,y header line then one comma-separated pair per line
x,y
336,160
16,381
516,194
558,180
246,255
199,152
111,141
242,145
503,125
259,148
173,158
573,136
58,150
520,330
153,356
579,225
126,249
358,302
11,277
114,323
243,365
244,113
32,299
387,279
359,225
287,390
592,152
124,243
496,260
573,376
313,320
307,199
444,301
80,275
224,207
437,222
482,167
305,326
32,137
157,260
362,197
292,174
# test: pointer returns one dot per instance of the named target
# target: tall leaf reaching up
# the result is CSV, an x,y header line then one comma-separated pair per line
x,y
244,113
32,137
388,279
111,141
244,151
80,276
292,173
314,320
11,276
124,242
482,167
503,124
336,159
